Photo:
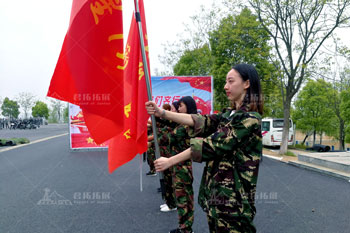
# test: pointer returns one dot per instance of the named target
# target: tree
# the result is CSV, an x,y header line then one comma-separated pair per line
x,y
338,102
0,103
298,30
10,108
333,68
40,110
56,111
345,105
194,38
194,62
65,115
313,110
240,39
273,104
345,112
26,100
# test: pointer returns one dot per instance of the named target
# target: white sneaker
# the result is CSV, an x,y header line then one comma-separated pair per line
x,y
166,209
162,206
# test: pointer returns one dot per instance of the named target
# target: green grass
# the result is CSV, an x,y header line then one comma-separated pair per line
x,y
2,142
298,146
15,141
20,140
289,153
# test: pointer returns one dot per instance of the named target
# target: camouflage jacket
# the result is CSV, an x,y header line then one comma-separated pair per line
x,y
231,146
164,129
178,140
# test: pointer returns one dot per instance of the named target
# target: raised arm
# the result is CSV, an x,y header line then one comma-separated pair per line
x,y
181,118
163,163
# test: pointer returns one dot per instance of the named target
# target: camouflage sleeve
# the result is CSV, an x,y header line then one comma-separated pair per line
x,y
179,140
161,123
204,125
225,140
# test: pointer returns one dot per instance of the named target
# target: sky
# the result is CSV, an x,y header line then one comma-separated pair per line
x,y
32,33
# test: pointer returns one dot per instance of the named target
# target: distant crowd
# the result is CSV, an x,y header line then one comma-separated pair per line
x,y
30,123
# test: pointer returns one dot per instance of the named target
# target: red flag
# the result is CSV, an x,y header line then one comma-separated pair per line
x,y
89,71
133,140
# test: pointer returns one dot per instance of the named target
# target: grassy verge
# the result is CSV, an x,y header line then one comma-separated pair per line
x,y
13,141
289,153
298,146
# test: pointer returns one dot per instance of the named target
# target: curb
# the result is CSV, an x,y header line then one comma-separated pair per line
x,y
322,170
273,157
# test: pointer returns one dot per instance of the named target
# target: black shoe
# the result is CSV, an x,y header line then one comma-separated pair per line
x,y
151,173
178,230
175,231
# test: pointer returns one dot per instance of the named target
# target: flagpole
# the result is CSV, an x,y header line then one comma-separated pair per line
x,y
149,93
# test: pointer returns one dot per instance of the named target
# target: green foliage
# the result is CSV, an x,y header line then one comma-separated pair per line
x,y
347,137
240,39
53,117
345,111
40,110
194,62
194,37
65,115
56,111
10,108
345,104
273,104
313,109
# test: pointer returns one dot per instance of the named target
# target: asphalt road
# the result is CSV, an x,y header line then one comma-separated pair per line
x,y
44,187
34,134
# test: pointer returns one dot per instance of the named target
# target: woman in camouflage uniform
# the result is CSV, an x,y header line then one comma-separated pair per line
x,y
151,156
182,172
164,128
230,144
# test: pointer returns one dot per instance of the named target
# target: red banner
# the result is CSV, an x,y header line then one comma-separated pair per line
x,y
133,139
89,71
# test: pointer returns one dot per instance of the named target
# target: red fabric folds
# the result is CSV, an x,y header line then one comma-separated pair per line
x,y
89,71
133,139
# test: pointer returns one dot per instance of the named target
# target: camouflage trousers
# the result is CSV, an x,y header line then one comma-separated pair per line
x,y
235,225
151,157
182,182
169,189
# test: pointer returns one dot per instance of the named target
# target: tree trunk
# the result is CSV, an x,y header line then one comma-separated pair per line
x,y
285,133
307,135
341,135
314,141
321,138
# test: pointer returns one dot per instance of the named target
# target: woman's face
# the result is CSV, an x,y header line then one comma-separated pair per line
x,y
173,109
182,108
235,87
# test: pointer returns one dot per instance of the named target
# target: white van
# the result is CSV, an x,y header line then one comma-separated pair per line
x,y
271,130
